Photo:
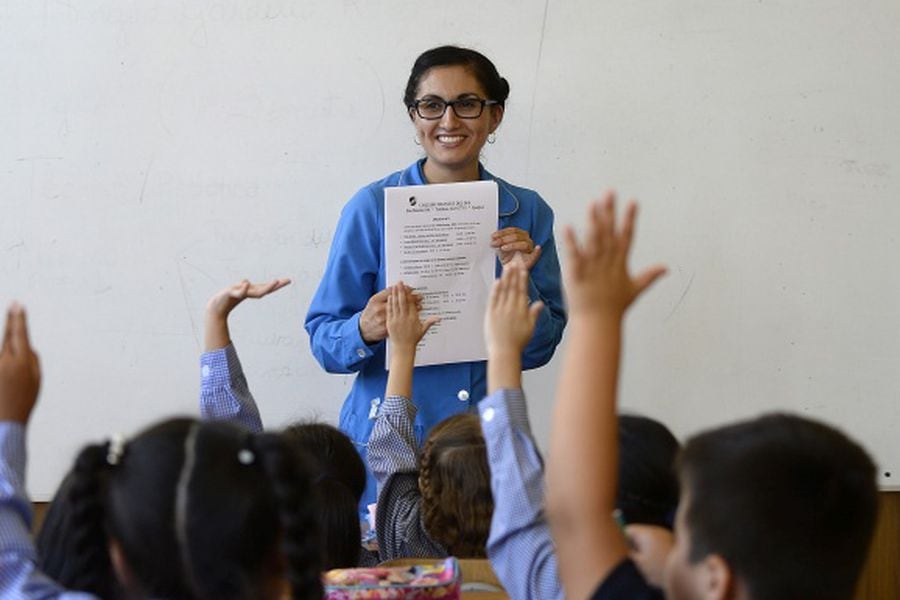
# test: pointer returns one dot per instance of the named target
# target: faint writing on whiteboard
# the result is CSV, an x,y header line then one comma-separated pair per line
x,y
858,168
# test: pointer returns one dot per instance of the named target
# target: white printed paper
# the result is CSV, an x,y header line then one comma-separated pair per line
x,y
437,241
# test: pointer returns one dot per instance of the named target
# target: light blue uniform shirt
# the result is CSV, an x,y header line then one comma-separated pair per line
x,y
356,270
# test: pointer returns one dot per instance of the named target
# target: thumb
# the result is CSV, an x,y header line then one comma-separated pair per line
x,y
532,258
534,311
647,277
428,322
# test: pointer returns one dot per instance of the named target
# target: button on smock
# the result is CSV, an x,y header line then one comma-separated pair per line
x,y
463,395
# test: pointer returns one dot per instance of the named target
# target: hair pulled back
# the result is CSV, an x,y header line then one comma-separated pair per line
x,y
495,86
199,510
455,482
338,480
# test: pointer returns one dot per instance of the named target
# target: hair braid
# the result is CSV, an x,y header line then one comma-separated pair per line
x,y
430,500
292,489
91,570
455,483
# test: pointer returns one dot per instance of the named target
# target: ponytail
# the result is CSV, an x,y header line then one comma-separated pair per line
x,y
291,486
88,567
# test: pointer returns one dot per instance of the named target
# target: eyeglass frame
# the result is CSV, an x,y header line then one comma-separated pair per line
x,y
452,104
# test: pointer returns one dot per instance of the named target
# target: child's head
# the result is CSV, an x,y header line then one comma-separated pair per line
x,y
455,482
784,506
339,480
194,510
648,485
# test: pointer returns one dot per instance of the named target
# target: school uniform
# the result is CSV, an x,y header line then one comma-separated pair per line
x,y
356,270
520,545
20,577
393,460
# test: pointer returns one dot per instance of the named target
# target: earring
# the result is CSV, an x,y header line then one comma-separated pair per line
x,y
416,140
492,137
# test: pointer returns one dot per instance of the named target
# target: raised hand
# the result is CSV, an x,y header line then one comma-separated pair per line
x,y
402,322
20,370
597,278
224,301
509,320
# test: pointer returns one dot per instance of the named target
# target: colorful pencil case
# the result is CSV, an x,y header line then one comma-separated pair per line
x,y
417,582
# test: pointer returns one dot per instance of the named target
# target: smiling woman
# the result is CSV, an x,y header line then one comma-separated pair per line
x,y
455,99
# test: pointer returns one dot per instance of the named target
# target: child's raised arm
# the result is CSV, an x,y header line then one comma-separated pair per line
x,y
582,468
224,393
508,326
20,379
405,330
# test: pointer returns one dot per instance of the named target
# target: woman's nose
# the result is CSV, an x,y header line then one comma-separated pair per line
x,y
449,118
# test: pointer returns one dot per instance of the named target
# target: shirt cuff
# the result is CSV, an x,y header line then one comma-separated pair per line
x,y
353,343
394,405
217,367
12,468
505,407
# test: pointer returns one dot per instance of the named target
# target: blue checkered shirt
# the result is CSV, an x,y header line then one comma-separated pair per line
x,y
520,546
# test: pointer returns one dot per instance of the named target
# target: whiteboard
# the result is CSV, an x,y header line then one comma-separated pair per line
x,y
153,152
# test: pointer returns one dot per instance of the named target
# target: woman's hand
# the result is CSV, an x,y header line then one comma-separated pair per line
x,y
512,241
373,320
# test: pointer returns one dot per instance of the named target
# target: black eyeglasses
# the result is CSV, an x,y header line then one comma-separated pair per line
x,y
464,108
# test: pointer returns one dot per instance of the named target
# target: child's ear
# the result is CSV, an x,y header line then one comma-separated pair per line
x,y
717,578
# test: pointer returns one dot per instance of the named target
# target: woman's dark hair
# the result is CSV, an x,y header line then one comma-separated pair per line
x,y
648,484
476,63
455,482
199,510
339,480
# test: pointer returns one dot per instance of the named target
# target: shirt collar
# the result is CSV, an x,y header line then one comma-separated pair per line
x,y
508,203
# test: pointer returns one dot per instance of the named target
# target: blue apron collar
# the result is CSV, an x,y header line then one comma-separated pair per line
x,y
508,202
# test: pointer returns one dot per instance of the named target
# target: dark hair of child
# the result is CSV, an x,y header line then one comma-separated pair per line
x,y
789,503
455,482
198,509
339,479
648,485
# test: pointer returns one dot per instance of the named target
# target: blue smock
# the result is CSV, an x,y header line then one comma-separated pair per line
x,y
356,271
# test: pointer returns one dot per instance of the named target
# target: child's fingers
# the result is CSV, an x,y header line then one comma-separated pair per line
x,y
399,293
628,222
239,290
391,303
608,217
18,341
7,331
570,243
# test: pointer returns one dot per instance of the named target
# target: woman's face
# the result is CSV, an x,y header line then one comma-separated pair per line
x,y
451,144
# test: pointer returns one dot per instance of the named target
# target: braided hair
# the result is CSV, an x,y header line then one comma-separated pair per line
x,y
76,518
455,482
